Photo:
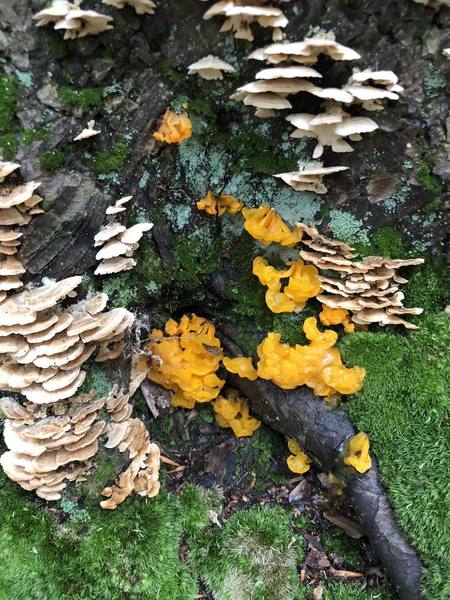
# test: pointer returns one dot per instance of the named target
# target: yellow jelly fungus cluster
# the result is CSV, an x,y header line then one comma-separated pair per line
x,y
241,366
302,284
214,205
317,365
336,316
266,226
174,128
185,358
357,452
297,461
232,411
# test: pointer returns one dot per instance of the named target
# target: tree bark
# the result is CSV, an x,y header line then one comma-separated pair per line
x,y
322,433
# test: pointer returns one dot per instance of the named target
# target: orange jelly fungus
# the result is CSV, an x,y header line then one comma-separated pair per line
x,y
232,411
317,365
357,452
297,461
302,284
241,366
185,359
174,128
214,205
336,316
266,226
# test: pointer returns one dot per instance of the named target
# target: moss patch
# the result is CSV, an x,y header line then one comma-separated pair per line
x,y
8,101
111,160
403,406
52,160
85,98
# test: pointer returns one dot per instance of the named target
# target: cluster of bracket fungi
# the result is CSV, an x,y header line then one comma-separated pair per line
x,y
46,337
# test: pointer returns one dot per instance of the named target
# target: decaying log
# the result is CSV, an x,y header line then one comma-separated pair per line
x,y
322,433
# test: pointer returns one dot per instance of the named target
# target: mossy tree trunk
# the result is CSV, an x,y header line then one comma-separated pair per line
x,y
392,199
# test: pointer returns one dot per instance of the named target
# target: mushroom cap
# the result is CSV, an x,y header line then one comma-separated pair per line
x,y
210,62
108,232
133,234
96,304
9,235
88,132
107,324
267,100
287,73
6,168
49,294
379,77
63,321
11,266
114,265
12,216
18,195
37,394
14,312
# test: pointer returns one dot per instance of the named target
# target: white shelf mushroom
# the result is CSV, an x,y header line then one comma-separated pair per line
x,y
309,177
330,127
240,14
210,67
73,20
88,132
140,6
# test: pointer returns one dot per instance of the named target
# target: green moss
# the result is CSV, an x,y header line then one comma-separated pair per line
x,y
388,242
429,284
339,544
252,557
169,72
52,160
85,98
121,290
9,143
58,46
96,379
403,406
111,160
8,101
346,591
429,181
433,82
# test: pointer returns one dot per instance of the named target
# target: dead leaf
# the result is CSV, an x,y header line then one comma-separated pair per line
x,y
351,527
317,560
299,492
169,461
214,518
344,574
318,593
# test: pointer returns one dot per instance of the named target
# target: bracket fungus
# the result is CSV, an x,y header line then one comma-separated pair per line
x,y
88,132
173,128
210,67
370,88
117,242
437,4
330,128
141,7
184,359
240,14
309,177
368,288
75,21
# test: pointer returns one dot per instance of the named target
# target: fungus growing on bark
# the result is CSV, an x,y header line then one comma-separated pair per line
x,y
6,168
210,67
174,128
368,288
330,128
383,85
118,243
75,21
185,358
357,452
232,411
336,316
317,365
309,177
297,461
219,205
141,7
266,226
88,132
130,435
242,366
436,4
302,283
240,14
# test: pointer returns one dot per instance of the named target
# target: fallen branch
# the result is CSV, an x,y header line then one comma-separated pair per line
x,y
322,433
